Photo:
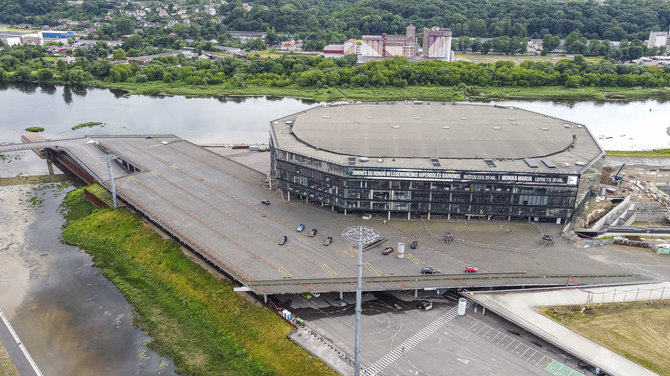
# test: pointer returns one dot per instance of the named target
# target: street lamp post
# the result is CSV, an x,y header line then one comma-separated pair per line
x,y
109,158
359,234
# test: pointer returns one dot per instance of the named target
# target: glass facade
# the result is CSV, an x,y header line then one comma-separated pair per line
x,y
535,196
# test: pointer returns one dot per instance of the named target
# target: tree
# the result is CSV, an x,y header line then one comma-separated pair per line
x,y
22,74
125,25
119,54
45,74
549,42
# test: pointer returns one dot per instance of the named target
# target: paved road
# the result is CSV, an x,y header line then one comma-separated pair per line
x,y
16,350
519,307
398,339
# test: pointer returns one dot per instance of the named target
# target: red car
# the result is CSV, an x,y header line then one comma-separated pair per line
x,y
471,269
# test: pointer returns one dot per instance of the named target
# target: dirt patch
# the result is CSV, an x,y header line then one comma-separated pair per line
x,y
638,331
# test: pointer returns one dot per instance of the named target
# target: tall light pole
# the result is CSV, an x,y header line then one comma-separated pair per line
x,y
360,234
109,158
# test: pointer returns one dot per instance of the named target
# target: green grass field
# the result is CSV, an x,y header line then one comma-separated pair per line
x,y
441,93
191,315
658,153
639,331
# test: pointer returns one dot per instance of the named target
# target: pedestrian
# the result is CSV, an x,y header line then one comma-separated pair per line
x,y
403,349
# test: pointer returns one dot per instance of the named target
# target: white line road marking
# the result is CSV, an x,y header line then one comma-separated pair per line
x,y
420,336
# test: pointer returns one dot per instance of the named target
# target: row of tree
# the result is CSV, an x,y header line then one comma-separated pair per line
x,y
319,22
28,64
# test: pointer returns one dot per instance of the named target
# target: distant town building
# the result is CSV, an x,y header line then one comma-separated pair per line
x,y
437,43
659,39
388,45
245,36
349,47
288,46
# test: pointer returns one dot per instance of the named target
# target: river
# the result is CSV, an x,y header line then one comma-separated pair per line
x,y
74,321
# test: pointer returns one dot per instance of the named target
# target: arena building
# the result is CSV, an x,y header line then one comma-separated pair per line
x,y
436,159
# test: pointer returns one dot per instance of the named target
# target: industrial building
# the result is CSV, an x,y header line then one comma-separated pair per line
x,y
436,159
437,44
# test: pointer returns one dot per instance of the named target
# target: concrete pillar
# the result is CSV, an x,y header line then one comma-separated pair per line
x,y
429,216
306,200
489,218
288,193
265,298
332,207
483,311
345,211
509,218
341,294
408,215
416,293
448,216
389,215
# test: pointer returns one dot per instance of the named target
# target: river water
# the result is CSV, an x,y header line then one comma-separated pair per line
x,y
74,321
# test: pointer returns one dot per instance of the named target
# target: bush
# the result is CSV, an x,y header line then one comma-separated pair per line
x,y
141,78
34,129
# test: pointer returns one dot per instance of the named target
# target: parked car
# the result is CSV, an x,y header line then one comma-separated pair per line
x,y
471,269
306,295
328,241
413,244
301,227
387,251
339,302
425,305
282,240
275,305
428,270
312,232
265,202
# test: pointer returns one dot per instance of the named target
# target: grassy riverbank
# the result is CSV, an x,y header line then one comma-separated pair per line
x,y
657,153
444,93
191,315
639,331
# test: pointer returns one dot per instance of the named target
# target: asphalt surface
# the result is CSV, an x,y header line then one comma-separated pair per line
x,y
399,339
213,204
17,352
520,307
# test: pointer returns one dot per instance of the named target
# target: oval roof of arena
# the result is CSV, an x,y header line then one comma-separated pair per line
x,y
432,130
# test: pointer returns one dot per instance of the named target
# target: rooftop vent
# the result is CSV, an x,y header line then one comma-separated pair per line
x,y
531,162
326,117
396,127
417,118
512,119
548,162
446,127
380,160
352,161
363,159
580,163
369,117
566,164
464,118
566,126
490,163
544,129
435,162
289,122
497,128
